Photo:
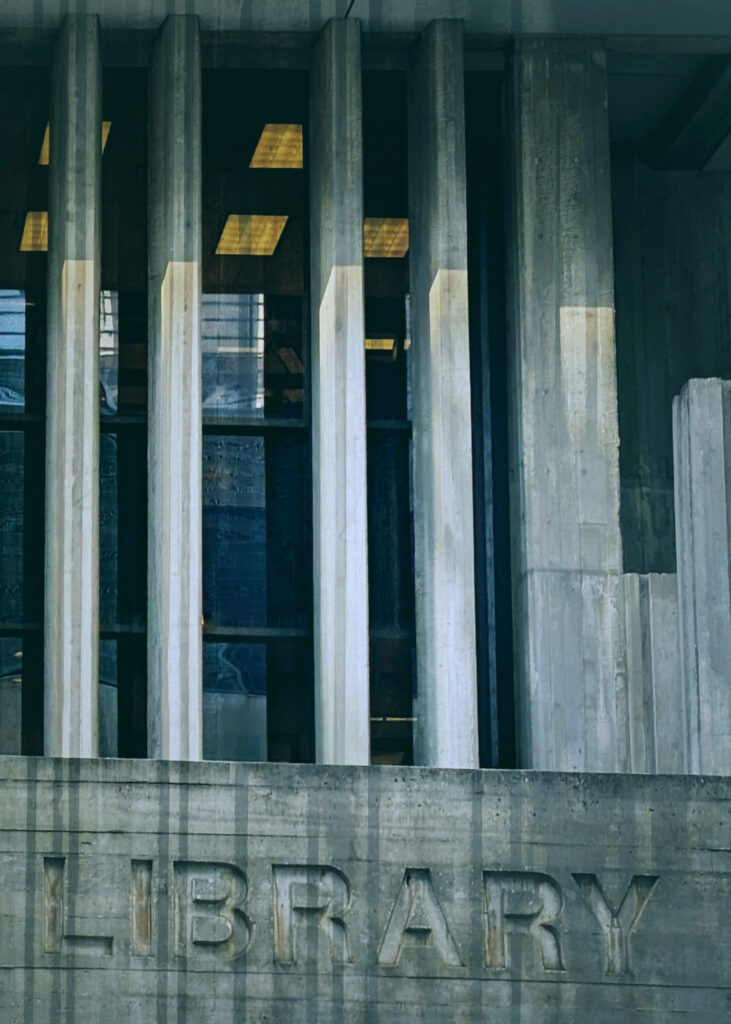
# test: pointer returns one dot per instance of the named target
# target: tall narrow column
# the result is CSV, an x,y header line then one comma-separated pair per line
x,y
71,637
338,399
442,438
567,550
174,581
702,450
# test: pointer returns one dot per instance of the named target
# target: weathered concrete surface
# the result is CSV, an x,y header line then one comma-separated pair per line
x,y
658,727
175,460
339,506
71,628
442,427
10,715
672,246
567,551
202,893
702,449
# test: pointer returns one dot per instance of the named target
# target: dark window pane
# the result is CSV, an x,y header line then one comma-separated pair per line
x,y
123,527
12,458
123,697
257,701
392,665
255,528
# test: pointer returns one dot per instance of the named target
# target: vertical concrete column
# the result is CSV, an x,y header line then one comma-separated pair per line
x,y
71,638
567,553
174,580
702,456
442,438
657,733
340,562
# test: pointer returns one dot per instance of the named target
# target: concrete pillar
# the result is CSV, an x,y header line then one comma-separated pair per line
x,y
174,579
442,443
657,733
71,638
702,456
567,552
340,557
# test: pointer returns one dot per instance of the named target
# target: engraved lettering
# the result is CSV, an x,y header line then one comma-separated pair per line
x,y
417,919
312,899
208,899
526,903
617,924
141,941
60,934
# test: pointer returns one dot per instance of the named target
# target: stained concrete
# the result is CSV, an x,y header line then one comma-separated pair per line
x,y
71,627
567,553
339,505
702,448
194,893
174,459
658,726
442,428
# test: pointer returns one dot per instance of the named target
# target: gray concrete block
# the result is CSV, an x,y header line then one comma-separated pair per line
x,y
339,506
71,631
175,459
442,432
702,449
567,551
658,727
153,891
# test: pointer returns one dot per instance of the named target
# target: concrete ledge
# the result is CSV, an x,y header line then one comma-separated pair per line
x,y
214,892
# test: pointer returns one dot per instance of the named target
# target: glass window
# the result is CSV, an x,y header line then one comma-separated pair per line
x,y
388,411
23,247
123,414
257,675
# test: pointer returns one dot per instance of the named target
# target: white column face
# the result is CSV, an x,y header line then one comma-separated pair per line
x,y
567,550
72,437
702,450
442,431
174,659
340,563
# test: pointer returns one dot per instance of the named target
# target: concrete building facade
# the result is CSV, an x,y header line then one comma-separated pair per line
x,y
364,396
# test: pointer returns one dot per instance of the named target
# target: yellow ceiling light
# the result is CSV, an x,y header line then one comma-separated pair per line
x,y
250,234
279,147
46,144
380,344
35,232
386,237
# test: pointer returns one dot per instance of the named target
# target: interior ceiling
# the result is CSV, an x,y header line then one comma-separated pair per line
x,y
644,89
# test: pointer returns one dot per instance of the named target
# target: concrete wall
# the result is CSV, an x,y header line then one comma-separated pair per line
x,y
672,249
213,893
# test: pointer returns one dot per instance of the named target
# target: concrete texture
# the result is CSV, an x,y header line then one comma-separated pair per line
x,y
442,431
672,246
71,629
671,17
10,715
174,463
202,893
658,728
702,445
567,556
339,508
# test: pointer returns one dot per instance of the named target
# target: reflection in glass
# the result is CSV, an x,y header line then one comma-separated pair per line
x,y
12,465
252,356
12,350
11,681
233,355
256,702
254,530
108,352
